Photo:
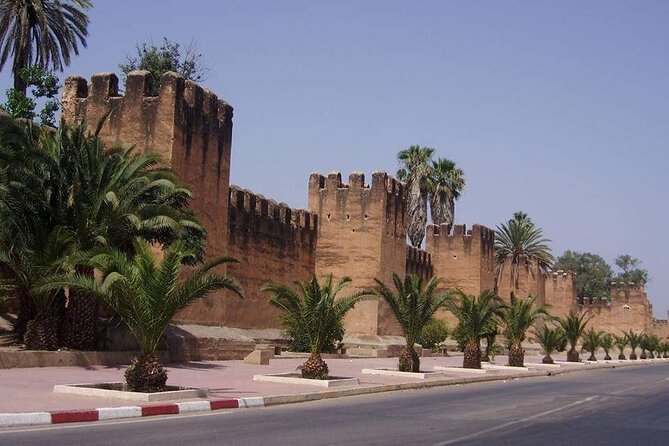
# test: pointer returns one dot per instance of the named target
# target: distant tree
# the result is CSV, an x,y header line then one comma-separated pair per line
x,y
44,33
593,274
630,270
46,87
169,56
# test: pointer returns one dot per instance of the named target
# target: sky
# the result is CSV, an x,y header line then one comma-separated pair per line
x,y
558,109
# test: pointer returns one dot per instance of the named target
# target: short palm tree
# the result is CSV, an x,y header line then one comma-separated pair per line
x,y
592,342
606,343
41,32
574,327
517,317
414,170
474,314
521,242
550,339
653,343
665,350
634,340
445,183
146,293
316,311
413,303
490,333
644,344
621,342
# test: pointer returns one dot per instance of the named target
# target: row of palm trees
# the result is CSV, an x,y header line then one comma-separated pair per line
x,y
315,310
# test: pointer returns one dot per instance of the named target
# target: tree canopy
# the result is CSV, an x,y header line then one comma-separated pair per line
x,y
593,273
630,270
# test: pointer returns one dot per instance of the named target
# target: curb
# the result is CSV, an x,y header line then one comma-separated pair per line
x,y
126,412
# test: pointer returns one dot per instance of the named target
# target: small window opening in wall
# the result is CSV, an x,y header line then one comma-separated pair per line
x,y
348,217
455,256
366,216
352,230
328,217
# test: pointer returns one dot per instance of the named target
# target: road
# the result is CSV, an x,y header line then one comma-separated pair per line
x,y
628,406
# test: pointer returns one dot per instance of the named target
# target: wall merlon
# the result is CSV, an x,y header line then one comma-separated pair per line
x,y
138,85
103,86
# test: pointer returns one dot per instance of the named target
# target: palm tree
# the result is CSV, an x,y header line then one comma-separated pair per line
x,y
517,317
634,341
414,171
606,343
317,312
550,339
521,242
101,196
146,293
490,333
591,342
621,342
574,327
665,350
474,315
644,344
652,342
41,32
413,304
445,184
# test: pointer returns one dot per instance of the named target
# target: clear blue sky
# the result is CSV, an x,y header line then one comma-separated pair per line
x,y
559,109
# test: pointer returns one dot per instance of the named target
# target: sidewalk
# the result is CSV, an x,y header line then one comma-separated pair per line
x,y
31,390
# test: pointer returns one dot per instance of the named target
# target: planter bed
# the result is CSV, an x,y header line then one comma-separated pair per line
x,y
509,368
296,378
115,390
454,369
395,372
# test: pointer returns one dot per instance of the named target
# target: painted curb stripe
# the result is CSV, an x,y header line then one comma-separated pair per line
x,y
223,404
74,416
256,401
194,406
163,409
26,418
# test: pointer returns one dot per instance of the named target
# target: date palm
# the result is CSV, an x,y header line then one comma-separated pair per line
x,y
445,184
474,314
550,339
146,293
621,342
592,340
574,327
315,310
45,33
414,171
652,343
522,242
413,303
517,317
606,343
634,339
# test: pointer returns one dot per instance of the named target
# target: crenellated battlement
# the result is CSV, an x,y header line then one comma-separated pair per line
x,y
418,262
254,217
438,236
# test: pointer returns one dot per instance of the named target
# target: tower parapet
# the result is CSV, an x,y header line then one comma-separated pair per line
x,y
560,292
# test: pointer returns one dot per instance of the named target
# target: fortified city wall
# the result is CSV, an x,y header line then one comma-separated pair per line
x,y
351,229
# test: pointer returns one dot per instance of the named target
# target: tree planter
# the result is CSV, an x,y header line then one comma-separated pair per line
x,y
296,378
395,372
116,390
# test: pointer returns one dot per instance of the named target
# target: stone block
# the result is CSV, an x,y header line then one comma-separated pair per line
x,y
258,357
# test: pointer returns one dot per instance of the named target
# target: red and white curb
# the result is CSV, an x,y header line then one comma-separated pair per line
x,y
113,413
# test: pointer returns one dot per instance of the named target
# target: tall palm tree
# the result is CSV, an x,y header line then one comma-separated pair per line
x,y
517,317
550,339
592,340
634,339
414,170
413,304
606,342
317,312
522,242
41,32
621,342
574,327
445,184
146,293
474,314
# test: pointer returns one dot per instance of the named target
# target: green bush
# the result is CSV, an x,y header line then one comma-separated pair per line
x,y
433,333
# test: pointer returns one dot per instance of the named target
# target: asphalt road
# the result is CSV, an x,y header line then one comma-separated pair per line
x,y
628,406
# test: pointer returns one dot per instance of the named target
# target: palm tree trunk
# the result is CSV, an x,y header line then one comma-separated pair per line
x,y
607,357
621,356
547,360
592,356
516,356
450,212
315,367
145,374
573,356
417,213
633,355
42,331
409,360
78,330
643,355
26,312
472,356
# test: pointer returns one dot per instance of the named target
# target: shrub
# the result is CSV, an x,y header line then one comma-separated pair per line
x,y
433,333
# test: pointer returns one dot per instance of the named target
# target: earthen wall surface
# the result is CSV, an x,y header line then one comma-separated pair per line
x,y
629,309
418,262
362,235
560,292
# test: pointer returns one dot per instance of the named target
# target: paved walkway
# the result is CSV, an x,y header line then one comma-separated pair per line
x,y
31,389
